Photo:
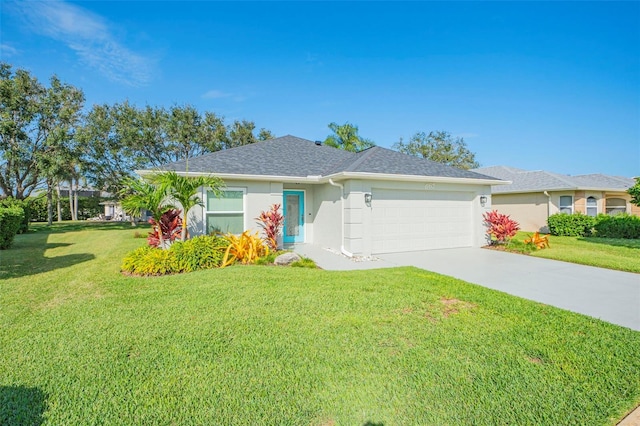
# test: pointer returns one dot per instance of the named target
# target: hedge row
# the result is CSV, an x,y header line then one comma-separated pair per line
x,y
621,225
10,222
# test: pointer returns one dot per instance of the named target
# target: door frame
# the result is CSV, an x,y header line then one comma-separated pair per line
x,y
301,193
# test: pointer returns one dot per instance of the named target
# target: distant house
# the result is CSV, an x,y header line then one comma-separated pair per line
x,y
535,195
370,202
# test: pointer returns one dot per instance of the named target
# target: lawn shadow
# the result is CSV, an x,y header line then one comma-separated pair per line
x,y
20,405
370,423
69,226
26,256
616,242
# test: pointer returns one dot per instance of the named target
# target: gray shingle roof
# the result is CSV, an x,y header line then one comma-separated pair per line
x,y
296,157
540,180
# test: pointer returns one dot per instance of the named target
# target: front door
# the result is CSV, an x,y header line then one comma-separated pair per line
x,y
293,207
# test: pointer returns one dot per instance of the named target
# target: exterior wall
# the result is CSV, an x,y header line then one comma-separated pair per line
x,y
259,196
358,216
326,215
529,210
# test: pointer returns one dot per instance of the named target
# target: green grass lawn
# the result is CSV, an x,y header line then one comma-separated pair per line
x,y
82,344
611,253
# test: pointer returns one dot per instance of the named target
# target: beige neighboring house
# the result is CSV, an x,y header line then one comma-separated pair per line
x,y
534,195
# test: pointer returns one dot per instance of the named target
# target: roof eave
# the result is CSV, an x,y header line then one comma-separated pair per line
x,y
233,176
412,178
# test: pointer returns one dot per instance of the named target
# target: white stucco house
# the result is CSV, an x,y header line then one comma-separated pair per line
x,y
366,203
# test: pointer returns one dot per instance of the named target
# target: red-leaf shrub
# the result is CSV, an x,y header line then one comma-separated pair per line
x,y
170,225
500,226
271,222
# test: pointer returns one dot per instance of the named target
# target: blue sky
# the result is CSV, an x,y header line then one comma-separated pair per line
x,y
535,85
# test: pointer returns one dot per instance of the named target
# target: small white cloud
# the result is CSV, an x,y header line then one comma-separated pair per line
x,y
216,94
219,94
7,51
89,36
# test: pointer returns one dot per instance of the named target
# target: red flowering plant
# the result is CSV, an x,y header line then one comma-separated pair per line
x,y
500,227
271,222
166,230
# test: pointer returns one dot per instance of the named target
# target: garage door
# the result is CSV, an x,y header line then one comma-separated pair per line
x,y
420,220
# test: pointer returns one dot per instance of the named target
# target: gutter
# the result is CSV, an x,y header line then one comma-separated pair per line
x,y
342,249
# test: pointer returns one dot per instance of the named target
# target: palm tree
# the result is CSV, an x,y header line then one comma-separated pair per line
x,y
346,137
139,195
185,189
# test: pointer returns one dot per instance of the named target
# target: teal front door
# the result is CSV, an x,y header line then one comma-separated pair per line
x,y
293,207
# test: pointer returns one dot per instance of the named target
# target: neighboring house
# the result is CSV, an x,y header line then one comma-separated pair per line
x,y
535,195
374,201
113,211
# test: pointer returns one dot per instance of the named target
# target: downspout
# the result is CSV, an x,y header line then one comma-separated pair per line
x,y
342,249
548,206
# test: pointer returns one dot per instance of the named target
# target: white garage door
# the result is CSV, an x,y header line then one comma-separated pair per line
x,y
420,220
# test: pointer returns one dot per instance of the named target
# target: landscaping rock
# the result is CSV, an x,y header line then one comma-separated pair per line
x,y
286,259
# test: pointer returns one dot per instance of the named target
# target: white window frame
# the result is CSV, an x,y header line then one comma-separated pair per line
x,y
561,207
587,206
206,213
613,210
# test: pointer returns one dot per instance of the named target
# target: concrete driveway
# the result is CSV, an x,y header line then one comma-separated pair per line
x,y
612,296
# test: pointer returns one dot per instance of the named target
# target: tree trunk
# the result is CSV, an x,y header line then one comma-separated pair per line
x,y
74,213
49,204
71,198
58,205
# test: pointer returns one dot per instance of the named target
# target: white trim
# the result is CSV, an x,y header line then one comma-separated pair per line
x,y
341,176
205,212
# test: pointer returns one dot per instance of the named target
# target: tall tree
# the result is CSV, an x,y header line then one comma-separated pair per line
x,y
634,191
346,137
440,147
36,132
241,133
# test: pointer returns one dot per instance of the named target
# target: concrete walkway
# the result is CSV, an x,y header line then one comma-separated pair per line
x,y
612,296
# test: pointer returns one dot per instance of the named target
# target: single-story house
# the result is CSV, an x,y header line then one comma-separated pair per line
x,y
370,202
535,195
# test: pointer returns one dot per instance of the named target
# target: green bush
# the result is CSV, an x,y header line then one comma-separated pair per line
x,y
571,225
203,252
304,262
10,221
622,225
149,261
25,206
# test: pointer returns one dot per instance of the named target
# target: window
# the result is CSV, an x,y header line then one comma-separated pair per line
x,y
615,205
592,207
566,204
226,213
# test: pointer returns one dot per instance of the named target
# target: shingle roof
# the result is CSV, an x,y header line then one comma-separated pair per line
x,y
540,180
296,157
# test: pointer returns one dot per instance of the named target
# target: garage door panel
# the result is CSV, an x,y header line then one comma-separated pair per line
x,y
420,220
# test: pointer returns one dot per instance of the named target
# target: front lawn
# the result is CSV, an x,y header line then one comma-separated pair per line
x,y
83,344
611,253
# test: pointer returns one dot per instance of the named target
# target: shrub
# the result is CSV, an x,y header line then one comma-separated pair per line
x,y
170,225
622,225
25,206
10,222
246,248
149,261
500,226
203,252
537,242
271,221
571,225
